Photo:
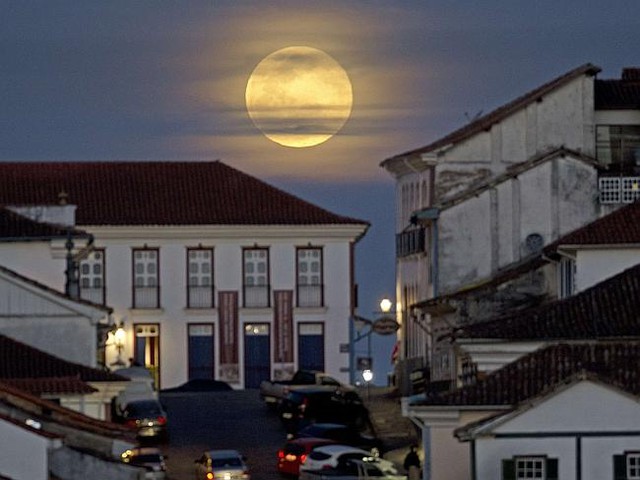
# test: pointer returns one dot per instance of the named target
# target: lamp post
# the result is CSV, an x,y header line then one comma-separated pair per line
x,y
383,325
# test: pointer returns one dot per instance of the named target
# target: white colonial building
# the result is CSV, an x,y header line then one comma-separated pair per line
x,y
491,194
212,273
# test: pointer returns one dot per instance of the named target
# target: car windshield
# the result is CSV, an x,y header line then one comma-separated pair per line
x,y
226,462
149,458
143,408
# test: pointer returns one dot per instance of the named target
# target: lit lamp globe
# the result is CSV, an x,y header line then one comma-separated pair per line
x,y
385,305
367,375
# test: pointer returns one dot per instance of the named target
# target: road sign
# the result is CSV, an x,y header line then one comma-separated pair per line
x,y
385,326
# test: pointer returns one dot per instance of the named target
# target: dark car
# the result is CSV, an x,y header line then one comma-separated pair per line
x,y
319,404
294,453
344,435
148,417
149,458
200,385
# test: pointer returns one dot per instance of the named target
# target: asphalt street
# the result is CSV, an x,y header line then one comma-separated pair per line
x,y
215,420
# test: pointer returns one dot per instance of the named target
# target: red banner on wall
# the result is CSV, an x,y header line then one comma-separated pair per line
x,y
283,326
228,326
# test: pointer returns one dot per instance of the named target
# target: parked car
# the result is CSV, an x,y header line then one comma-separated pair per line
x,y
273,391
295,452
148,417
140,387
316,404
149,458
330,456
343,434
222,465
350,469
200,385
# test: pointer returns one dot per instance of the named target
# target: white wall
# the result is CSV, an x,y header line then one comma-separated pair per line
x,y
23,453
173,315
585,407
596,265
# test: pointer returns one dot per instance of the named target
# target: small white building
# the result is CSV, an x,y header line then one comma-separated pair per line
x,y
563,411
212,273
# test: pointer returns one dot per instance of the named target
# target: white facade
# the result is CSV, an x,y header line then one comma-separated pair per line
x,y
582,426
15,441
42,318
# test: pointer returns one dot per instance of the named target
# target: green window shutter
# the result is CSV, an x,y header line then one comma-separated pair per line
x,y
508,470
552,468
619,467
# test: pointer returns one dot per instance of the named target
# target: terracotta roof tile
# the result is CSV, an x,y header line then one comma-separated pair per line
x,y
51,385
14,226
159,193
606,310
542,370
619,227
619,94
485,122
19,360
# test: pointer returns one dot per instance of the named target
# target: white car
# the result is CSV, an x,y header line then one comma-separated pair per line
x,y
330,456
222,465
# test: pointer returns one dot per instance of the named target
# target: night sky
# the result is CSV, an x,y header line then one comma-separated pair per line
x,y
159,80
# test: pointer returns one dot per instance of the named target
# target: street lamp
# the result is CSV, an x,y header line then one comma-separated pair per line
x,y
383,325
119,337
367,376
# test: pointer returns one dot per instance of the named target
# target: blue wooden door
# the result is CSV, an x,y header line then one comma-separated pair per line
x,y
311,346
257,354
201,352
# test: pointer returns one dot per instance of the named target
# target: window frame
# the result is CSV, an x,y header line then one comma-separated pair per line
x,y
134,287
300,286
549,467
246,286
103,288
211,286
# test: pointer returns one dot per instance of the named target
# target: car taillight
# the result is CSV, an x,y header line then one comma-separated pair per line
x,y
303,458
161,420
280,453
303,405
131,423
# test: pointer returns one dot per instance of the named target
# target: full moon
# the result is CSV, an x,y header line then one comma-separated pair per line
x,y
299,97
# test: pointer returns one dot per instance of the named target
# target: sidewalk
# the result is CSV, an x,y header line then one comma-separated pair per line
x,y
397,432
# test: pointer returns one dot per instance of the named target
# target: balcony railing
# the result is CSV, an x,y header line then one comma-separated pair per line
x,y
410,242
618,189
200,297
309,296
256,296
146,297
92,294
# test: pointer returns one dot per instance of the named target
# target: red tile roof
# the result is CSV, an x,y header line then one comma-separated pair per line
x,y
16,227
606,310
619,94
621,227
51,385
49,411
535,373
19,360
485,122
159,193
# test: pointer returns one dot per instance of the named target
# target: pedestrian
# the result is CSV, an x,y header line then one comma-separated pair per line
x,y
412,463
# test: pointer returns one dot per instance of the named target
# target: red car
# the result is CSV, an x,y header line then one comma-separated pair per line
x,y
295,452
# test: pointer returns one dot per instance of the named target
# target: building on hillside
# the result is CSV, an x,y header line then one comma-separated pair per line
x,y
491,194
565,411
72,385
211,272
603,313
41,440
